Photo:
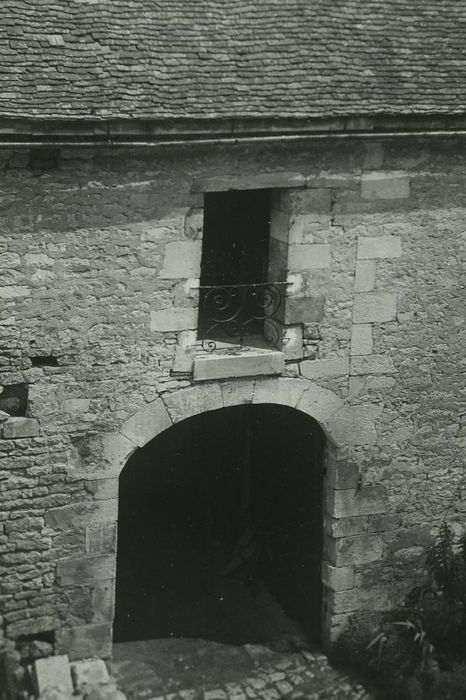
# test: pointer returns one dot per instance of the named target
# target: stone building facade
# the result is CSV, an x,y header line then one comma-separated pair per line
x,y
100,255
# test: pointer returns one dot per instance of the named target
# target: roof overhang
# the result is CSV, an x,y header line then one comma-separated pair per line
x,y
110,133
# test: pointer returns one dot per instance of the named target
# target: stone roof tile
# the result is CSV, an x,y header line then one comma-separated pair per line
x,y
157,59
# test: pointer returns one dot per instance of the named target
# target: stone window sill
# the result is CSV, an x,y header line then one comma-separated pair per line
x,y
228,361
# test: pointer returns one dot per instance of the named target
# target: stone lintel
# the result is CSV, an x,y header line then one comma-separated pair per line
x,y
249,182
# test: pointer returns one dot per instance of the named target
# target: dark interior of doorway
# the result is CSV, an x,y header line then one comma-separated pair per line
x,y
220,530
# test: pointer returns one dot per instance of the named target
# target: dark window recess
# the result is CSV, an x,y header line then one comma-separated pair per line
x,y
14,399
236,298
44,361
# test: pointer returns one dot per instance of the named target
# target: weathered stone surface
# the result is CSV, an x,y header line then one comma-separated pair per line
x,y
304,309
76,406
365,275
379,247
116,450
284,391
323,369
367,500
53,672
339,578
173,319
18,428
101,538
308,256
319,403
184,355
103,489
182,260
384,185
89,672
361,340
237,392
148,422
189,402
103,600
249,182
86,641
375,307
352,551
83,513
4,416
78,571
293,342
246,364
342,475
105,692
371,364
354,425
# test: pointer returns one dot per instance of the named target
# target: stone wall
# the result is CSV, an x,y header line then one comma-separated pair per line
x,y
99,260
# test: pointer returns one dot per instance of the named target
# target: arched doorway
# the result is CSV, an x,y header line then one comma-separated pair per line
x,y
220,529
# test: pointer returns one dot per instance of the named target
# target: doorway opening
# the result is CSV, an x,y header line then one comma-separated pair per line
x,y
220,530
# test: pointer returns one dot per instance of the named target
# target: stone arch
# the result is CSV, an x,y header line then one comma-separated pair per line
x,y
346,501
336,420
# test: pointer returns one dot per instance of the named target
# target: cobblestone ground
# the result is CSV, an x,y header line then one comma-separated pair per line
x,y
198,670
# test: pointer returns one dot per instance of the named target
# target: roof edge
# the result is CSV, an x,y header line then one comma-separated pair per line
x,y
115,131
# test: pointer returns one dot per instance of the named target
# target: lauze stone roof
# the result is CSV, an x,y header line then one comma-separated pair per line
x,y
157,59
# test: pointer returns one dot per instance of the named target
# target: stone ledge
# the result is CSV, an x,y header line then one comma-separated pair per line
x,y
249,182
245,364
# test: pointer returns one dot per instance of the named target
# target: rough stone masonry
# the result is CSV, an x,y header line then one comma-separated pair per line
x,y
99,263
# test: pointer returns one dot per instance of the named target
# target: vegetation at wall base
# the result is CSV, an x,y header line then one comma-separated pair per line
x,y
418,651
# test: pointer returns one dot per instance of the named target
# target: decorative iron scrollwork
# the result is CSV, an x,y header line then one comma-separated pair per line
x,y
238,311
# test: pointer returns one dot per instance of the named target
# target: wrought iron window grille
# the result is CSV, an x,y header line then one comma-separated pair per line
x,y
237,312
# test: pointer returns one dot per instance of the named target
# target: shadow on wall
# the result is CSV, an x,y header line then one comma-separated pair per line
x,y
220,529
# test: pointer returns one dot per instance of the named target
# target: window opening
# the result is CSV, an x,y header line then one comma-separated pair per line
x,y
238,302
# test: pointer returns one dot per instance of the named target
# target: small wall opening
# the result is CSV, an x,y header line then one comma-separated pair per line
x,y
14,399
220,530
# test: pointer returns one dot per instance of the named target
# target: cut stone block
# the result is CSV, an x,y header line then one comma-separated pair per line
x,y
365,276
368,500
323,369
76,406
18,428
86,641
293,342
148,422
354,425
102,489
238,392
279,225
182,260
78,571
379,247
374,307
339,578
101,538
173,319
184,354
384,186
308,256
53,672
189,402
82,514
247,364
89,672
361,339
352,551
284,391
304,309
372,364
116,450
319,403
4,416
